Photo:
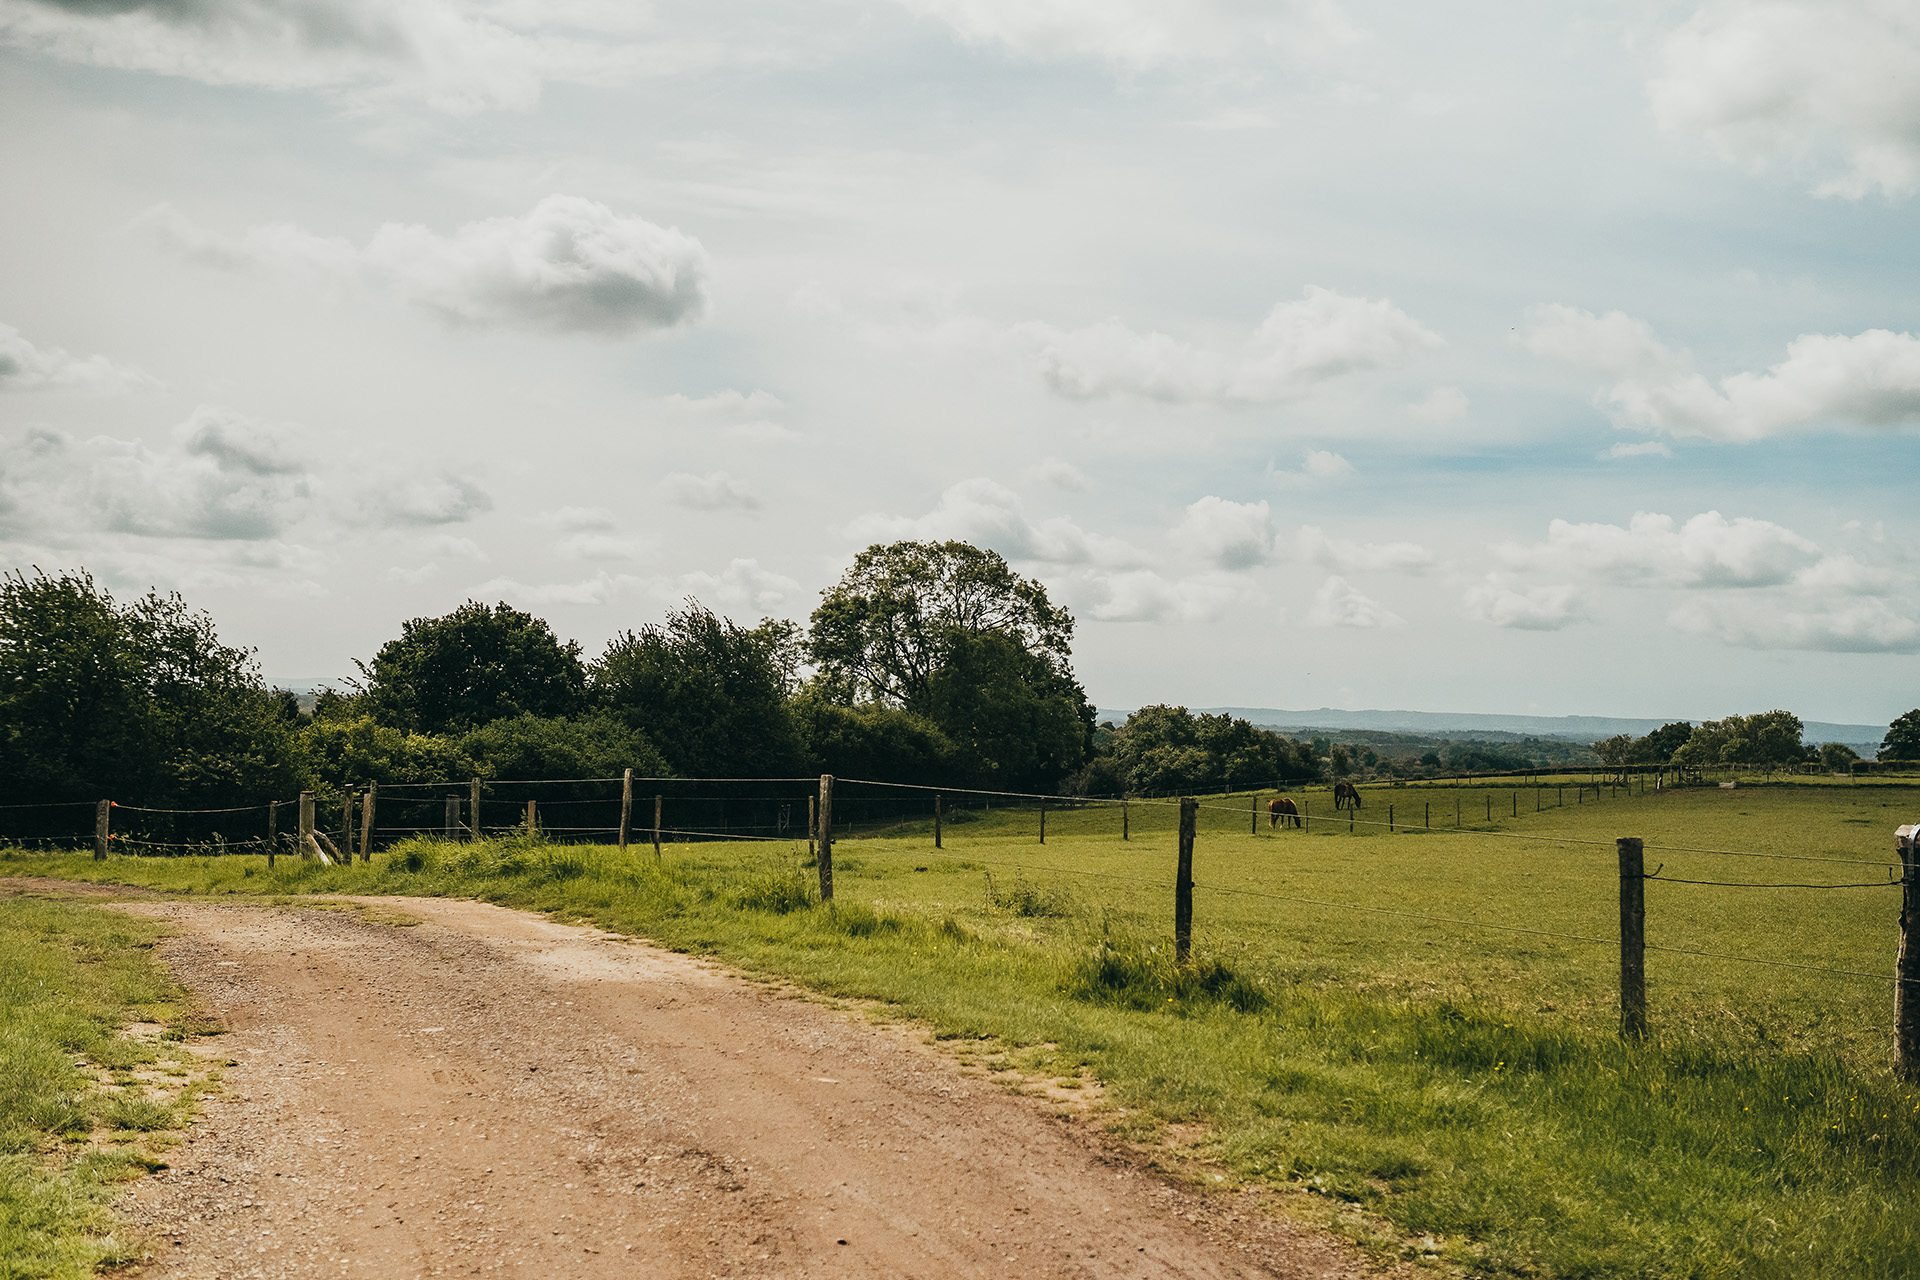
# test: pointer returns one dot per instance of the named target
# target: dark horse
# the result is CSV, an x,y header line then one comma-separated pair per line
x,y
1281,810
1345,795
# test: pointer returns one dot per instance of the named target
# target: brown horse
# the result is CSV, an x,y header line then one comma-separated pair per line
x,y
1345,795
1281,810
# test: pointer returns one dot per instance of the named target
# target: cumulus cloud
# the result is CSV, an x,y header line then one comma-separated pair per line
x,y
1138,33
1320,466
1338,603
1145,595
574,519
715,491
1870,625
742,585
1502,603
1639,449
434,498
1709,550
569,265
1323,335
989,514
1315,547
748,416
1869,379
26,367
453,55
1061,474
1232,535
1830,87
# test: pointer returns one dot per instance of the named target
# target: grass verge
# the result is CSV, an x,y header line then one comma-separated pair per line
x,y
84,1105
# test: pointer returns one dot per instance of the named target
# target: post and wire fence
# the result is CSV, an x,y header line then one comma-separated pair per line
x,y
349,824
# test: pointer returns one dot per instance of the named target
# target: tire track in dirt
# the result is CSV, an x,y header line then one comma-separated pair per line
x,y
493,1093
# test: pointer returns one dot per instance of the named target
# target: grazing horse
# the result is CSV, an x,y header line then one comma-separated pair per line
x,y
1281,810
1345,795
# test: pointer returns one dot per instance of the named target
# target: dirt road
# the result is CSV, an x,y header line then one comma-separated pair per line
x,y
490,1092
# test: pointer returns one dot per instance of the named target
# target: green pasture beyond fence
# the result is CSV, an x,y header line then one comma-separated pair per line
x,y
1773,908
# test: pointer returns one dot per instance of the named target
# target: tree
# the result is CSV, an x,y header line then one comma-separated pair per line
x,y
1164,749
1837,757
710,694
472,666
1658,747
598,745
1767,740
892,621
1017,723
1903,738
140,702
871,740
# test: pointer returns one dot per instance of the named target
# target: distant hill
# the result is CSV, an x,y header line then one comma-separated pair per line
x,y
1864,738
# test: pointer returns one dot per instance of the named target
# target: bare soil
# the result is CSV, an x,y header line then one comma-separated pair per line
x,y
429,1087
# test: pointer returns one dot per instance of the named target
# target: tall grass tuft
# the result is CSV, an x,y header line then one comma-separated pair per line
x,y
1132,976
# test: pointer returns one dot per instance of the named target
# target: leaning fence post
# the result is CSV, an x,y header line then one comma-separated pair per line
x,y
1633,937
936,819
366,821
626,808
1183,883
102,831
1906,964
825,856
273,829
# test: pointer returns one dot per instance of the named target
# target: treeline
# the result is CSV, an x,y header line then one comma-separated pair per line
x,y
1769,740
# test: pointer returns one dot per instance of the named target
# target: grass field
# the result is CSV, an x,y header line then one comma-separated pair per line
x,y
1437,1087
80,1102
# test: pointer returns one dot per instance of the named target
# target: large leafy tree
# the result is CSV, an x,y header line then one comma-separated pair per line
x,y
473,666
1903,738
1767,740
949,632
894,618
1163,749
711,694
139,702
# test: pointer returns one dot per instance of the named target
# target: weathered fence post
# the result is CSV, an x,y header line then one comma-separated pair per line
x,y
658,804
453,816
626,808
309,849
533,818
1489,806
1906,963
1306,816
813,829
346,826
1389,819
1183,884
1043,822
102,829
1516,804
936,820
1125,833
1428,821
273,829
1633,938
473,809
366,821
1256,813
825,856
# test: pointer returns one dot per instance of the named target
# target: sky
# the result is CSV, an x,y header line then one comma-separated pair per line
x,y
1498,357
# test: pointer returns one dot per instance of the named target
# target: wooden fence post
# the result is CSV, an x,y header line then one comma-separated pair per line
x,y
1489,806
626,808
936,819
1516,804
533,819
1256,813
1389,819
813,830
273,829
1125,833
473,809
346,826
1428,822
825,856
1183,884
1306,816
366,821
102,829
1633,938
308,848
453,816
1906,963
1043,822
658,804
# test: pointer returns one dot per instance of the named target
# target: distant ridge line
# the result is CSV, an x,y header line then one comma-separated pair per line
x,y
1572,728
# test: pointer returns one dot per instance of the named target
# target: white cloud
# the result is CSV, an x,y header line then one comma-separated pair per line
x,y
1830,87
1320,466
1869,625
1140,33
1442,405
1709,550
26,367
455,56
1869,379
1060,473
1232,535
1345,556
574,519
1526,608
1322,336
1338,603
989,514
1640,449
569,265
601,588
727,405
715,491
743,584
604,546
432,498
1144,595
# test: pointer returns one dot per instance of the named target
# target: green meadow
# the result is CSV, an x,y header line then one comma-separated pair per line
x,y
1414,1031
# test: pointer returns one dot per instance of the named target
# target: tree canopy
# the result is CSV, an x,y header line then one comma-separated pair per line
x,y
1903,738
472,666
